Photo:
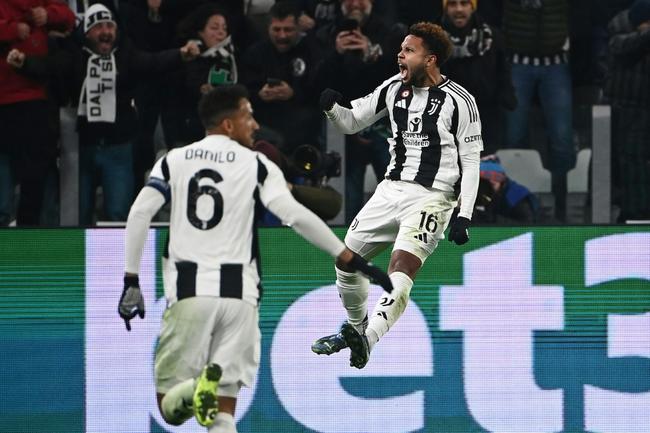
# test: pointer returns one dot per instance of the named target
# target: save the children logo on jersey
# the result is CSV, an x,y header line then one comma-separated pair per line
x,y
414,137
415,125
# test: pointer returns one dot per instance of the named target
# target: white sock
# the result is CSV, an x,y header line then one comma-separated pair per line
x,y
389,307
224,423
353,291
177,403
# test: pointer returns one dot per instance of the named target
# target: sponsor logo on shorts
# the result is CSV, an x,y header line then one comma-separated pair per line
x,y
421,237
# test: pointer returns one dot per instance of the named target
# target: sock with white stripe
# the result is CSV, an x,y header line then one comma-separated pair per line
x,y
353,291
389,307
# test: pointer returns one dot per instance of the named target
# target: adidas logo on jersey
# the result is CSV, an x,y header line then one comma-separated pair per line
x,y
401,104
421,237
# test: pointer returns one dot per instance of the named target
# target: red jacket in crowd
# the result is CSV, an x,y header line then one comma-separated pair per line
x,y
13,86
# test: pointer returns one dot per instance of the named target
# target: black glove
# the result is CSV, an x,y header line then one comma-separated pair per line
x,y
375,274
458,231
328,98
131,301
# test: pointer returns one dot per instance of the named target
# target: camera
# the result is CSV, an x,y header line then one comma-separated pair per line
x,y
315,165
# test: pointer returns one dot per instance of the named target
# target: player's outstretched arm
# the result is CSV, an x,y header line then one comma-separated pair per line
x,y
343,118
313,229
350,260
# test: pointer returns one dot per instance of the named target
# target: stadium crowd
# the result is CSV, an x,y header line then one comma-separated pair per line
x,y
113,71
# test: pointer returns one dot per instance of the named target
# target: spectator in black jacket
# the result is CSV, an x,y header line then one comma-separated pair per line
x,y
279,73
627,90
27,150
361,49
479,63
105,74
209,28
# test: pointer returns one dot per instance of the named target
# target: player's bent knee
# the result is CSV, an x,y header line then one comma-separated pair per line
x,y
407,262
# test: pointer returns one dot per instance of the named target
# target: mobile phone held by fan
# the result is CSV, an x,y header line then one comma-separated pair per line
x,y
348,25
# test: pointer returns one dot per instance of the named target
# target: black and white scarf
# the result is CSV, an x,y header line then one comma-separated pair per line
x,y
97,101
475,40
224,69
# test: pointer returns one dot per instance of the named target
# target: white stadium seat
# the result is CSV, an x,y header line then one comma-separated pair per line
x,y
524,166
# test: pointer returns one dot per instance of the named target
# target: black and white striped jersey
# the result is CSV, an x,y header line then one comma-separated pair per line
x,y
431,128
213,186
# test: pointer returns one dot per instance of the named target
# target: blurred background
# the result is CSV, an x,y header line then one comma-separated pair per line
x,y
562,89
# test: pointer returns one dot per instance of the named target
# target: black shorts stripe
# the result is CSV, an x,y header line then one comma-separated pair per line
x,y
185,280
231,281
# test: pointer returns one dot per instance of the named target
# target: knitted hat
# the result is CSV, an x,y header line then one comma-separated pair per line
x,y
639,12
492,170
444,4
95,14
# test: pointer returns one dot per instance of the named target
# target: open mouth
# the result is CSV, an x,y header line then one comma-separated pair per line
x,y
403,70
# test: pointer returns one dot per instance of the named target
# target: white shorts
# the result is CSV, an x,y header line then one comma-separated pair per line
x,y
406,214
203,329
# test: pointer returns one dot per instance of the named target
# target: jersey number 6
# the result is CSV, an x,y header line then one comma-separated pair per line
x,y
195,192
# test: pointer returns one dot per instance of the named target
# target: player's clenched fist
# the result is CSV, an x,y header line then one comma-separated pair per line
x,y
458,232
131,301
328,98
